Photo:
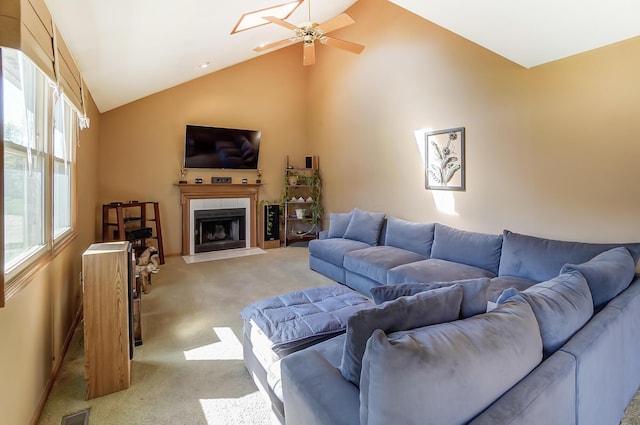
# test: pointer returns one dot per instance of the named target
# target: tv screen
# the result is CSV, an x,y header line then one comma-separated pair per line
x,y
215,147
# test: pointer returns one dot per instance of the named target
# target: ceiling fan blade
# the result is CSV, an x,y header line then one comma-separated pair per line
x,y
338,22
342,44
309,54
280,43
280,22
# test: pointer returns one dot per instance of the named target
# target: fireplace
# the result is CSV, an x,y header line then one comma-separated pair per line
x,y
218,229
196,197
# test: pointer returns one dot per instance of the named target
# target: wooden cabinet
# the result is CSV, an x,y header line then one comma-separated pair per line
x,y
107,270
134,222
301,203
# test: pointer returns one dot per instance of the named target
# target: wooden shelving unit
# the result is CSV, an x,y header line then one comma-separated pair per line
x,y
134,222
302,192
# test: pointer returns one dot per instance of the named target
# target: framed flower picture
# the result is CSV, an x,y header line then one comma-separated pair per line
x,y
444,159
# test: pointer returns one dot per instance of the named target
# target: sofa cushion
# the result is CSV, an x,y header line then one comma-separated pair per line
x,y
374,262
562,306
364,226
500,283
425,308
338,223
293,320
333,250
607,274
474,293
449,372
416,237
475,249
541,259
433,270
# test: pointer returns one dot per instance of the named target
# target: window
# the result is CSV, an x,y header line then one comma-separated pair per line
x,y
39,130
64,130
25,101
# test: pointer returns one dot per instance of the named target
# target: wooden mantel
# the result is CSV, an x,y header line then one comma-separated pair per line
x,y
189,191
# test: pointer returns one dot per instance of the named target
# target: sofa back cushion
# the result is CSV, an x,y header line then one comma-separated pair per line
x,y
416,237
562,306
541,259
338,223
364,226
425,308
475,249
474,293
607,274
448,373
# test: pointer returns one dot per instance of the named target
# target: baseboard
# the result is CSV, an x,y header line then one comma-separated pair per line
x,y
56,368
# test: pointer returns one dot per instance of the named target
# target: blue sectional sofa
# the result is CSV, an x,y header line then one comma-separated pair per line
x,y
365,250
558,343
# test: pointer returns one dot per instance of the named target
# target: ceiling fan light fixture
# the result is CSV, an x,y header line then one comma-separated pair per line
x,y
255,19
308,32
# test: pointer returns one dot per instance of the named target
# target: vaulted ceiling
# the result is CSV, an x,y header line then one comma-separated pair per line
x,y
130,49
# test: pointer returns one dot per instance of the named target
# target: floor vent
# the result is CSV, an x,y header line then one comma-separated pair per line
x,y
80,418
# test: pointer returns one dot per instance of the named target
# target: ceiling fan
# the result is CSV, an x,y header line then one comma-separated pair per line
x,y
310,32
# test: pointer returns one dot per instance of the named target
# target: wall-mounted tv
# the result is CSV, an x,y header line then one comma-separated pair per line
x,y
216,147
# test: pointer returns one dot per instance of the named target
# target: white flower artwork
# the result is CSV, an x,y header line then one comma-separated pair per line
x,y
444,161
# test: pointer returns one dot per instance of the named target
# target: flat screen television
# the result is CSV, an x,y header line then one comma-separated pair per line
x,y
216,147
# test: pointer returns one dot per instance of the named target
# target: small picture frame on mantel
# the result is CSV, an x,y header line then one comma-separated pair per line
x,y
444,159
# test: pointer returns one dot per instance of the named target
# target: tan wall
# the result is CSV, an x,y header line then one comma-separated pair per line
x,y
142,143
550,151
35,322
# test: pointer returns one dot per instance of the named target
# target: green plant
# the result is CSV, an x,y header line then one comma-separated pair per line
x,y
316,191
270,214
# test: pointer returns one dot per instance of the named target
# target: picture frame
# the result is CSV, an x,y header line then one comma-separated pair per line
x,y
444,166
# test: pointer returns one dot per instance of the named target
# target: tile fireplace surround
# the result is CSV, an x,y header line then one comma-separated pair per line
x,y
190,192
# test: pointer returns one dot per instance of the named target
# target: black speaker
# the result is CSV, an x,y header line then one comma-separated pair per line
x,y
271,222
308,160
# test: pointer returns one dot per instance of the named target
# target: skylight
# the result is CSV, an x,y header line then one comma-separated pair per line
x,y
254,19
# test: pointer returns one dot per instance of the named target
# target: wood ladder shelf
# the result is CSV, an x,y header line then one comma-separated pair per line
x,y
134,213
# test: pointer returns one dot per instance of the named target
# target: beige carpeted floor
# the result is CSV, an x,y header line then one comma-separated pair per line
x,y
189,369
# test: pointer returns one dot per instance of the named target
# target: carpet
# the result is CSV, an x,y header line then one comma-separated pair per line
x,y
189,369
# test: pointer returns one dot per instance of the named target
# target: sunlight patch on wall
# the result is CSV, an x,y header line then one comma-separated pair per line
x,y
228,348
445,202
420,135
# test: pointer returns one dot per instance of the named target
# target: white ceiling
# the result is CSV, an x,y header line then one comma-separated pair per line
x,y
130,49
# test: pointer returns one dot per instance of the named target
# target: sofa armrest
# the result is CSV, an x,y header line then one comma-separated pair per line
x,y
315,393
324,234
598,348
546,396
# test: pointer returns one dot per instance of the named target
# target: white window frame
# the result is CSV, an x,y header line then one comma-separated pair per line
x,y
20,272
